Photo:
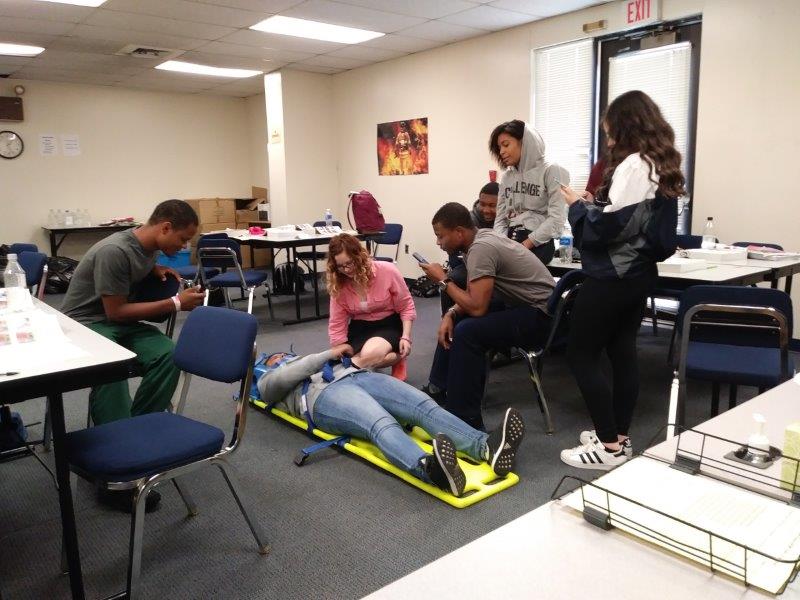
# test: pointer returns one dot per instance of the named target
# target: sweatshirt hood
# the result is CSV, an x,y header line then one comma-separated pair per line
x,y
532,154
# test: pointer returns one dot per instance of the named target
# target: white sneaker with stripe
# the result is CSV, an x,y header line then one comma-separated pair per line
x,y
593,456
590,436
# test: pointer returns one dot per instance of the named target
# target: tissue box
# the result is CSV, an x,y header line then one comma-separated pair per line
x,y
718,255
791,448
677,264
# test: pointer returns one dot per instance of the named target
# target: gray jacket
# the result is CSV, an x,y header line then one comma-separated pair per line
x,y
529,195
284,386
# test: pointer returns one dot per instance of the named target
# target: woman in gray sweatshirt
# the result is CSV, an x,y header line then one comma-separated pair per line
x,y
340,398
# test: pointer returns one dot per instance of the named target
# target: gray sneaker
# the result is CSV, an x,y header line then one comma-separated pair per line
x,y
443,467
504,441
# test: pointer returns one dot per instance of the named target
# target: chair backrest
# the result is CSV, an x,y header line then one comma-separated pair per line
x,y
764,244
689,242
217,343
391,236
559,307
35,265
731,326
220,260
152,289
20,247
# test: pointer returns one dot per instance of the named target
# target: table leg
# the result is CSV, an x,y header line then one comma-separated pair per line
x,y
316,286
56,404
788,287
295,285
53,246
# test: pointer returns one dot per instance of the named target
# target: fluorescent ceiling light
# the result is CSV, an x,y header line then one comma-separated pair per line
x,y
315,30
77,2
19,50
185,67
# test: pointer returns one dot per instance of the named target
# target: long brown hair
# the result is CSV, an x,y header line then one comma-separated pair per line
x,y
636,124
362,263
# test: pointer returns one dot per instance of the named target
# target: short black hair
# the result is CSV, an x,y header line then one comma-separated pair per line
x,y
515,129
177,212
492,188
453,215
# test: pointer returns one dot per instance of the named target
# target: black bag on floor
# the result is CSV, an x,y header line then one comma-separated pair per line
x,y
286,277
12,430
216,297
59,273
424,287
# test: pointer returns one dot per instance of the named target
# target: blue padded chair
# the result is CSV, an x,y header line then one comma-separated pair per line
x,y
391,236
737,335
19,247
559,307
226,254
35,266
143,451
192,272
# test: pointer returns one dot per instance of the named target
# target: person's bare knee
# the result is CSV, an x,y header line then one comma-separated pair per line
x,y
373,353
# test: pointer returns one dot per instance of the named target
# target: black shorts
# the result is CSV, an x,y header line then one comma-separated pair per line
x,y
390,329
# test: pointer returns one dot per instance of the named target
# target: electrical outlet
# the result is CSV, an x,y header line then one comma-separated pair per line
x,y
406,248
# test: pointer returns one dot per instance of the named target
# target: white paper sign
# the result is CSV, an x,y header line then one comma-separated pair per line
x,y
70,144
48,146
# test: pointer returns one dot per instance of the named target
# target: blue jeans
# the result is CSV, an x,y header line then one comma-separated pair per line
x,y
461,371
369,405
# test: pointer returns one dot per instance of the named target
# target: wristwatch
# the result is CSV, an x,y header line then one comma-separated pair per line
x,y
443,284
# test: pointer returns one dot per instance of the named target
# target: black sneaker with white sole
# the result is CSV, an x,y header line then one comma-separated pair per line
x,y
504,441
443,467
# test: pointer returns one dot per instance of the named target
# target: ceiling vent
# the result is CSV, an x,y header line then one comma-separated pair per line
x,y
150,52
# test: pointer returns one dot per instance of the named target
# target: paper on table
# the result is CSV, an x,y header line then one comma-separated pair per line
x,y
32,340
747,518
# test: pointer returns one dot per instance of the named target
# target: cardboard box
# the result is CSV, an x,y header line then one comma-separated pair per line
x,y
214,210
259,192
262,257
243,217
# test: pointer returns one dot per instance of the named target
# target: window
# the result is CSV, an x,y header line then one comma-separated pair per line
x,y
563,101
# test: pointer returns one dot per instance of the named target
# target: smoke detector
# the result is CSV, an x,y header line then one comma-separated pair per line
x,y
150,52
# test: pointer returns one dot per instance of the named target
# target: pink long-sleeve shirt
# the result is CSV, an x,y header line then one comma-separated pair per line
x,y
387,294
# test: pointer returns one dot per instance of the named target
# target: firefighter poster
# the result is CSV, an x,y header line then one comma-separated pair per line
x,y
403,147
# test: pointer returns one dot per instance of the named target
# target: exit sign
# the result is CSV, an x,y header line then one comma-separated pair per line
x,y
636,13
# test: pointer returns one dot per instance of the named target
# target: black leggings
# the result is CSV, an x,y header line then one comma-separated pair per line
x,y
607,316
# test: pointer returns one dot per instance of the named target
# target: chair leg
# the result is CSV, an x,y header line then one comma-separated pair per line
x,y
535,370
227,293
47,433
654,315
732,395
269,304
135,548
715,399
250,300
255,528
671,351
191,507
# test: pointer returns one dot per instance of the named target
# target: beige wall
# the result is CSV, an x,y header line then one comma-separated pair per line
x,y
138,148
257,133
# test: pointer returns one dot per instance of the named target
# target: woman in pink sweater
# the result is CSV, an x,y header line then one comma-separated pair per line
x,y
371,308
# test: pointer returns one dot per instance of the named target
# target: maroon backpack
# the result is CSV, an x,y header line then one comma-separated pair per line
x,y
366,212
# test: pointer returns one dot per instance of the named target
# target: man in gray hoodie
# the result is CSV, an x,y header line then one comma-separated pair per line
x,y
530,209
340,398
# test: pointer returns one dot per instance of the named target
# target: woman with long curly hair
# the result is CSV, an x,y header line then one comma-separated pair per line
x,y
370,309
621,238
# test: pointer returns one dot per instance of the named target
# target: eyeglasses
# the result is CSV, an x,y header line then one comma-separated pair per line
x,y
345,266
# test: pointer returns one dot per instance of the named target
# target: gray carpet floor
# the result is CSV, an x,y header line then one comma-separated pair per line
x,y
338,527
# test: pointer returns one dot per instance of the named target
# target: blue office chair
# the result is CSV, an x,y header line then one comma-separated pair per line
x,y
307,256
225,254
35,266
192,272
143,451
737,335
559,307
392,233
19,247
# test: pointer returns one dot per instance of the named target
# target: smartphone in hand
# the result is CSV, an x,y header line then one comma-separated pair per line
x,y
420,259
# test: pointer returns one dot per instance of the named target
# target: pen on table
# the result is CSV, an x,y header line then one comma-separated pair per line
x,y
9,374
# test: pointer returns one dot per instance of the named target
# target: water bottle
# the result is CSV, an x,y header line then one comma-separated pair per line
x,y
709,239
565,245
328,218
69,218
16,284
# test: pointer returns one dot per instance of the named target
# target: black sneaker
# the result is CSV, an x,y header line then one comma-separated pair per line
x,y
443,468
122,500
439,396
504,441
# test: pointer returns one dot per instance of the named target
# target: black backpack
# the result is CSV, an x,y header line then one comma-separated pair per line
x,y
60,270
286,277
424,287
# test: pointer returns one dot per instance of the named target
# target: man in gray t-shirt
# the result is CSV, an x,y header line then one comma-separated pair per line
x,y
516,316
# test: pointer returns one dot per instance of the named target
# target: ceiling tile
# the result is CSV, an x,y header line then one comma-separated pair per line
x,y
442,32
32,39
69,76
99,63
137,37
416,8
243,88
254,52
137,22
367,53
14,24
195,12
232,62
47,11
250,37
16,61
271,6
488,17
348,15
177,80
401,43
337,62
314,69
543,8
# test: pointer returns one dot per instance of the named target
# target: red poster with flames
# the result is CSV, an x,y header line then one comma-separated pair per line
x,y
403,147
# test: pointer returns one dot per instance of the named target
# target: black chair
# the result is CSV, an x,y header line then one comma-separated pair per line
x,y
737,335
139,453
559,306
391,236
308,256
